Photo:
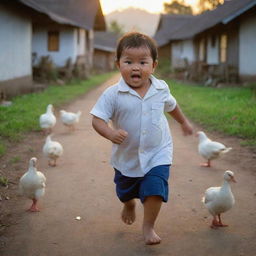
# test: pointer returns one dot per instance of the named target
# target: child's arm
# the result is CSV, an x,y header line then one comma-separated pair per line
x,y
116,136
182,120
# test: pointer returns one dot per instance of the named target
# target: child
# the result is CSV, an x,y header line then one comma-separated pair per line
x,y
142,144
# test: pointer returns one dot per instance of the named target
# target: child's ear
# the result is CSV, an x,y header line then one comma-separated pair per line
x,y
117,64
155,65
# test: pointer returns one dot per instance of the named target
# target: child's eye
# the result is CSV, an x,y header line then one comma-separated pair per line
x,y
128,62
143,62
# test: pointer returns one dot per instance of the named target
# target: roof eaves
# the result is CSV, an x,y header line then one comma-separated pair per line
x,y
104,48
55,17
239,12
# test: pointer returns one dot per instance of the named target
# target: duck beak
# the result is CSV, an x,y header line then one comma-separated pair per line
x,y
233,179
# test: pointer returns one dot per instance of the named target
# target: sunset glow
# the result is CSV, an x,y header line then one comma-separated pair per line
x,y
155,6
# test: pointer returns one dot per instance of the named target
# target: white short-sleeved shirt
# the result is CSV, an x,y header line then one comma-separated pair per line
x,y
149,141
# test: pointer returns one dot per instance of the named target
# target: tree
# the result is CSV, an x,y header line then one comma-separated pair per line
x,y
208,4
115,27
177,7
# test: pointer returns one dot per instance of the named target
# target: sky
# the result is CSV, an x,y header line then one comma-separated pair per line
x,y
155,6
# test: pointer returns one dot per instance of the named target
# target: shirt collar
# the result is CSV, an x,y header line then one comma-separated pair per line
x,y
124,87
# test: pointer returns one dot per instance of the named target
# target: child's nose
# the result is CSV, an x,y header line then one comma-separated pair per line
x,y
135,67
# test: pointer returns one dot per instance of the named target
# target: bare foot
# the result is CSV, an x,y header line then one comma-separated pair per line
x,y
128,212
150,236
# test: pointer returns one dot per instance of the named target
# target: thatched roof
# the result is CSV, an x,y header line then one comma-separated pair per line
x,y
86,14
178,27
105,41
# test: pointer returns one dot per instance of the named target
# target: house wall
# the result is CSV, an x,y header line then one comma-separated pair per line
x,y
80,45
164,55
164,51
103,61
181,51
89,48
15,48
247,52
68,44
212,50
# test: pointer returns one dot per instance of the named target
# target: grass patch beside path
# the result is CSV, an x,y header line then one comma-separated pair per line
x,y
23,115
228,110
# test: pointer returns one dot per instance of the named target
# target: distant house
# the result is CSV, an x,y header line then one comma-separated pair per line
x,y
69,35
168,47
216,43
31,30
15,48
104,50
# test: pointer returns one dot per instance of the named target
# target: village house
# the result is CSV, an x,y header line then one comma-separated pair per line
x,y
217,45
33,32
104,50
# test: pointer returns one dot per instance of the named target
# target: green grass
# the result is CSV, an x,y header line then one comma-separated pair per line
x,y
231,111
23,115
228,110
15,159
3,181
2,148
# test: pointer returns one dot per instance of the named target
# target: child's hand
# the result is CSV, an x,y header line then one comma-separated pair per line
x,y
187,128
118,136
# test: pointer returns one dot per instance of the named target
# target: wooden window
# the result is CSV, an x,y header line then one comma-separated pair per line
x,y
53,41
223,48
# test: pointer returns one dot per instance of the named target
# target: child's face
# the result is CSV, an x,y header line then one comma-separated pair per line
x,y
136,65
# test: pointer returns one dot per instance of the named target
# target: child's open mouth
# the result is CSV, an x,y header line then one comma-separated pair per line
x,y
135,77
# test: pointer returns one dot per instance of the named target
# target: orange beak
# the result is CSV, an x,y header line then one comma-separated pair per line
x,y
233,179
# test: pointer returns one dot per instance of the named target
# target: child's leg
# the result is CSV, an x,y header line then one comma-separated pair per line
x,y
128,212
152,205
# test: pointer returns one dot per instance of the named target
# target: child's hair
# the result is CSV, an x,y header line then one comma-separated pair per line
x,y
135,40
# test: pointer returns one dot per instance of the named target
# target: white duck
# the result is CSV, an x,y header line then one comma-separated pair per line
x,y
209,149
69,118
220,199
53,150
47,120
32,184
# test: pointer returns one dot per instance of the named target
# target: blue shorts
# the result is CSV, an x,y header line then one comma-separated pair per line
x,y
154,183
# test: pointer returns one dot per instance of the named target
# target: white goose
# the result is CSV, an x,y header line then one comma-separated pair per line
x,y
70,119
220,199
209,149
53,150
47,120
32,184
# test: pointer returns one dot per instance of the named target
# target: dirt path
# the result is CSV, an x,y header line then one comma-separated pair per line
x,y
82,185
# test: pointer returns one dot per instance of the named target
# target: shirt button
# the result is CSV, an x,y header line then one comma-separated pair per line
x,y
141,151
144,132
